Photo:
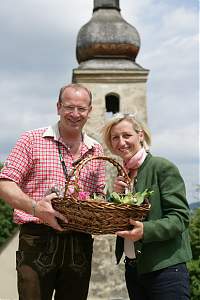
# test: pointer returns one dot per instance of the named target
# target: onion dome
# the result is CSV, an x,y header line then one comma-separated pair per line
x,y
107,35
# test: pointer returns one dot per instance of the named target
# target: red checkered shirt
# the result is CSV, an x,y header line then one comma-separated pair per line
x,y
34,164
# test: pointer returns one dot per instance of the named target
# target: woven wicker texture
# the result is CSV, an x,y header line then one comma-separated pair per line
x,y
98,216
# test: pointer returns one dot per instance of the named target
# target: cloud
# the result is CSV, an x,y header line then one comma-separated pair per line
x,y
180,20
181,146
177,143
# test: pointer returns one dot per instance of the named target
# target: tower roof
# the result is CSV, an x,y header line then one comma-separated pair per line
x,y
107,35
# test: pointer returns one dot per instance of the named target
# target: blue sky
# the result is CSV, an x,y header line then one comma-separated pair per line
x,y
37,55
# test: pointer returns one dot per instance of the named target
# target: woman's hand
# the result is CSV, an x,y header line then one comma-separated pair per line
x,y
135,234
119,184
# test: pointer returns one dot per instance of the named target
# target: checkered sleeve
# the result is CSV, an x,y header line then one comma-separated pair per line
x,y
19,162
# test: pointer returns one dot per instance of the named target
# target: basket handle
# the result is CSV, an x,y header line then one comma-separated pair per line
x,y
79,166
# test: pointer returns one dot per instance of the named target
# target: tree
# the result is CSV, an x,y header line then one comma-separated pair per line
x,y
194,265
7,227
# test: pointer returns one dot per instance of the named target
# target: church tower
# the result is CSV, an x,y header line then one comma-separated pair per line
x,y
106,50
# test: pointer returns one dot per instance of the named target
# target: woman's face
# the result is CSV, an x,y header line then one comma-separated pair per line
x,y
125,141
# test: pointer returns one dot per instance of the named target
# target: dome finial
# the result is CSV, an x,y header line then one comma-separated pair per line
x,y
106,4
107,35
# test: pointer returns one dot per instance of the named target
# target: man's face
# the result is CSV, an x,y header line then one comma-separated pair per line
x,y
73,109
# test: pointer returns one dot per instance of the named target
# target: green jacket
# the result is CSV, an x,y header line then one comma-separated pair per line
x,y
166,237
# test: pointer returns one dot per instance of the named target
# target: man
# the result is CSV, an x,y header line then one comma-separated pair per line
x,y
48,259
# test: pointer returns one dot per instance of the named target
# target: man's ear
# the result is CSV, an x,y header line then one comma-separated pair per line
x,y
90,109
58,107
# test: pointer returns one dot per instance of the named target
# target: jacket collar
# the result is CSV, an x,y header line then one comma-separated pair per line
x,y
148,157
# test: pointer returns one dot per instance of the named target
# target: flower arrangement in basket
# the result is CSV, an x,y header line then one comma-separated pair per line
x,y
97,215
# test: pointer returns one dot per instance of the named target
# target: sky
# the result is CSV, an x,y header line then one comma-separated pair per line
x,y
37,55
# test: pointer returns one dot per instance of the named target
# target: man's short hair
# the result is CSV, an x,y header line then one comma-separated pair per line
x,y
76,86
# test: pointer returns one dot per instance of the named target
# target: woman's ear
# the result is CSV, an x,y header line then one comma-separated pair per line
x,y
141,136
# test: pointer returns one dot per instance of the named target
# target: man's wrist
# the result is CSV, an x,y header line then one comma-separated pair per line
x,y
34,204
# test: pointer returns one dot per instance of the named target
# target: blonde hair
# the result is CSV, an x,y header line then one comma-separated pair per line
x,y
137,126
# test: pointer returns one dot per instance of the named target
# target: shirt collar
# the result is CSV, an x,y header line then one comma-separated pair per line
x,y
53,131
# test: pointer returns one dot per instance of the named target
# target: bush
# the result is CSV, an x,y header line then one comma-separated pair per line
x,y
194,265
194,270
195,233
7,227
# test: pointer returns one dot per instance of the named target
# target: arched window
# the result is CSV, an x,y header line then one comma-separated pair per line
x,y
112,103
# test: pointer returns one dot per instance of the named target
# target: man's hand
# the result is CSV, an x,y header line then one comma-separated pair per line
x,y
45,212
135,234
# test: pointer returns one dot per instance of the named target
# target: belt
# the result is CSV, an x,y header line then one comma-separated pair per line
x,y
36,229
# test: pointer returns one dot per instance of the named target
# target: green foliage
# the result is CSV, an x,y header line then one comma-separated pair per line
x,y
194,265
195,234
194,270
7,226
130,198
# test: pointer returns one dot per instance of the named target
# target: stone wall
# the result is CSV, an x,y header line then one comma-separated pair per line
x,y
107,280
129,85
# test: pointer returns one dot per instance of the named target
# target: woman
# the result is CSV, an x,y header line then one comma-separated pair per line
x,y
158,271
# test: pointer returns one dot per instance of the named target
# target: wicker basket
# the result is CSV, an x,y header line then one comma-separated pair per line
x,y
97,216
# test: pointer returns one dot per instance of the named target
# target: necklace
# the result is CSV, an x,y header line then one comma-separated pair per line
x,y
62,162
67,176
